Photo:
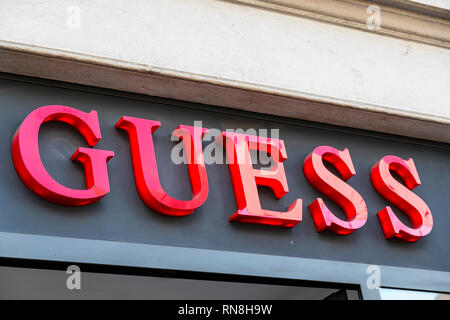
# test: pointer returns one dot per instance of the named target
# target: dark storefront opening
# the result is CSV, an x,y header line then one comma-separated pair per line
x,y
47,280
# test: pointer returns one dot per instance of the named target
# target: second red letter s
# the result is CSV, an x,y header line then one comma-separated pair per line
x,y
402,197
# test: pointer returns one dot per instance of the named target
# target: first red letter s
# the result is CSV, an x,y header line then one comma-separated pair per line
x,y
28,163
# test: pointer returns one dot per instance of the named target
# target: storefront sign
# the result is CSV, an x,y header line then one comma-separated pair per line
x,y
245,178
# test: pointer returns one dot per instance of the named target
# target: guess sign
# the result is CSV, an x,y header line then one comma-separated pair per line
x,y
245,177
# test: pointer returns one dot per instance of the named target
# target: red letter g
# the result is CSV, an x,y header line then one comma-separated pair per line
x,y
28,163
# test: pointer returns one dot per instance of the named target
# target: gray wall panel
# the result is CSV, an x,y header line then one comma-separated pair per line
x,y
121,216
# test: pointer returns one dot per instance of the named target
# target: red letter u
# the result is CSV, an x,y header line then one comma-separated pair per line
x,y
146,170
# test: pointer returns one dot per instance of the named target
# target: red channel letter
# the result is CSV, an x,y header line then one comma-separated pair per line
x,y
145,168
28,163
245,179
402,197
336,189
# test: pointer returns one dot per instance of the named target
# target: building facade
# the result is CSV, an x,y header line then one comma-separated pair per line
x,y
347,101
